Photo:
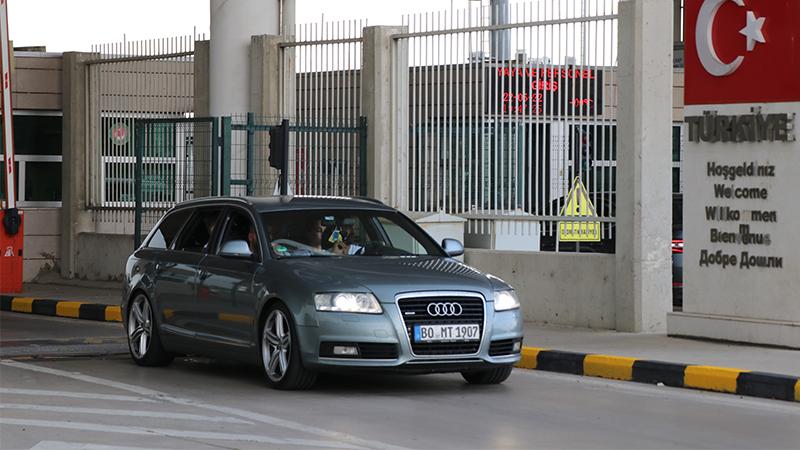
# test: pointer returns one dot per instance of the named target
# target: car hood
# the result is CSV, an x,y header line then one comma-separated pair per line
x,y
388,276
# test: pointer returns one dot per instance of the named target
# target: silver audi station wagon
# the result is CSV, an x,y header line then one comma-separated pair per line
x,y
304,285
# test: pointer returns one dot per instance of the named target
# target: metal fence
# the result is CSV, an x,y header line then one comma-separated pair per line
x,y
128,82
174,160
495,135
177,159
324,156
324,105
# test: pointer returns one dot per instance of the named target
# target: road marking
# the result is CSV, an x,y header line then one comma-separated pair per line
x,y
167,432
68,309
61,445
113,314
604,366
720,379
250,415
82,395
22,304
128,413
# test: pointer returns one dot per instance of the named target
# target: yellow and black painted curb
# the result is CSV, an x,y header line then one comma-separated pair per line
x,y
720,379
61,308
710,378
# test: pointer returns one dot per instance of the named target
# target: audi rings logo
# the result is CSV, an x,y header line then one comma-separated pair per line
x,y
444,309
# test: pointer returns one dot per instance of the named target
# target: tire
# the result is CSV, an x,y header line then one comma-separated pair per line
x,y
490,376
144,342
280,351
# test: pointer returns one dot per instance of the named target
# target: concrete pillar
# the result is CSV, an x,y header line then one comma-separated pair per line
x,y
644,192
202,134
268,92
74,216
384,84
202,65
232,25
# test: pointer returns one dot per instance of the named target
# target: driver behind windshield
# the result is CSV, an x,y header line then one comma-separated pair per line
x,y
344,237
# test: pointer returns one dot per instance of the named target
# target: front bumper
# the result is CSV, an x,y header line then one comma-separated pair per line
x,y
389,328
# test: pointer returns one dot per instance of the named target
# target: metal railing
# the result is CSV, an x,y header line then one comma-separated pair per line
x,y
128,82
325,156
324,106
495,135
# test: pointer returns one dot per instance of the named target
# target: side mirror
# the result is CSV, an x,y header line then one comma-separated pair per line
x,y
236,249
452,247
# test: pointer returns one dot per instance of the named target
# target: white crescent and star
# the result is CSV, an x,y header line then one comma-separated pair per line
x,y
705,43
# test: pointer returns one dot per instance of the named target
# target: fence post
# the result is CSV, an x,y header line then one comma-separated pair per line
x,y
225,157
249,155
362,156
214,152
382,74
138,149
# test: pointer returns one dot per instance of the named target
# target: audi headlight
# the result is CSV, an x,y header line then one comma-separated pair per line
x,y
348,302
505,300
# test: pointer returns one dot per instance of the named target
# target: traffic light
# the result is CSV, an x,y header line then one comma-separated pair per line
x,y
279,145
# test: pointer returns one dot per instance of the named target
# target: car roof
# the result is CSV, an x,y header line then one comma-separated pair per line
x,y
291,203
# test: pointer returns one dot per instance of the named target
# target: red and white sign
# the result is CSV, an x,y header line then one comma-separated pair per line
x,y
741,51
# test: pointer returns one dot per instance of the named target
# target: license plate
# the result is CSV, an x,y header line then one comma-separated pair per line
x,y
446,333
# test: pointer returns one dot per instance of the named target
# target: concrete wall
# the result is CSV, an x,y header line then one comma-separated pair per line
x,y
102,256
36,81
557,288
41,243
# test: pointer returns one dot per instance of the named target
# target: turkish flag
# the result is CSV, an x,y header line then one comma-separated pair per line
x,y
768,73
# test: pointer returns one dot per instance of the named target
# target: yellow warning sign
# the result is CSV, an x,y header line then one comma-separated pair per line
x,y
578,205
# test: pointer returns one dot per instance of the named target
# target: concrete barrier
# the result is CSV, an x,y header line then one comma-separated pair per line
x,y
559,288
101,257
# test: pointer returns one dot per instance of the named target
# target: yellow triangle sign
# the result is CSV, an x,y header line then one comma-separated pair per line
x,y
578,204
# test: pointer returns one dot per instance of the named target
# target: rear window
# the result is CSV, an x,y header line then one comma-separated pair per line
x,y
168,229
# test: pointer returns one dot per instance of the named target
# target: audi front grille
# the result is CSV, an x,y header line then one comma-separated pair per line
x,y
415,311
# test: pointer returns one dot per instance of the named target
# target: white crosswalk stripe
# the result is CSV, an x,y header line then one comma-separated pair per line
x,y
123,412
162,419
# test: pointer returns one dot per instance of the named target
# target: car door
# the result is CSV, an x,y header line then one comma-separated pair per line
x,y
177,273
227,281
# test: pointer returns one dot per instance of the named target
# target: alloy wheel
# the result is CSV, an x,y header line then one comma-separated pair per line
x,y
140,326
276,345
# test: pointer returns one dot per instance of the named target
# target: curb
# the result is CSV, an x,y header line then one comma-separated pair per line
x,y
708,378
61,308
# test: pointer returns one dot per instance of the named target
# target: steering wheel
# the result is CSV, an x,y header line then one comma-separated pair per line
x,y
370,247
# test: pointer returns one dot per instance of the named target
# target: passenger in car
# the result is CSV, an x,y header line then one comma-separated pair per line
x,y
252,238
313,233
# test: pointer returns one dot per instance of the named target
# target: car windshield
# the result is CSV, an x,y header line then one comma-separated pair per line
x,y
355,233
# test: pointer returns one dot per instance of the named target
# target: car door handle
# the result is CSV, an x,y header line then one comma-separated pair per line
x,y
157,267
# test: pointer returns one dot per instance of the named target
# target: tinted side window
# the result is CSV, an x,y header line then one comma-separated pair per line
x,y
169,227
241,228
199,230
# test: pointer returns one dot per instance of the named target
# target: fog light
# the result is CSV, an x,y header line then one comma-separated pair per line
x,y
345,350
517,346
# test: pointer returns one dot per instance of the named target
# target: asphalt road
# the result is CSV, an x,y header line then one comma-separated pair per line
x,y
92,402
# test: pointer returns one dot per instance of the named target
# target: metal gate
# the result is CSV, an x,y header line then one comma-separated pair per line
x,y
181,159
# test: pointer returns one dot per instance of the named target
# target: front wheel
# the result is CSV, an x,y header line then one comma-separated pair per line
x,y
490,376
280,352
144,342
